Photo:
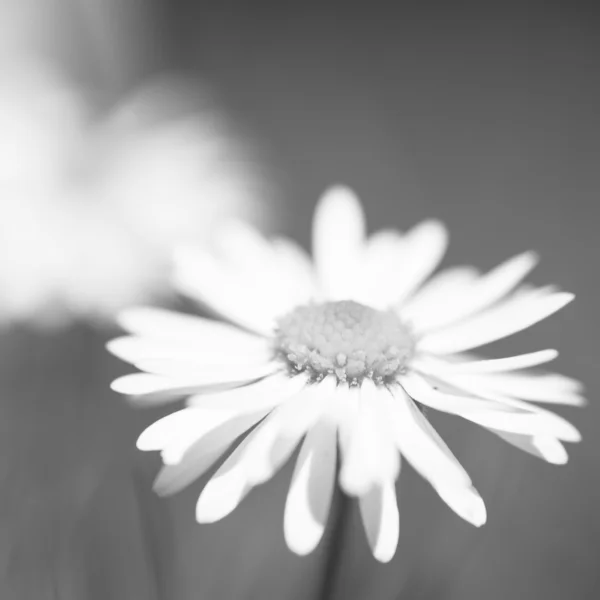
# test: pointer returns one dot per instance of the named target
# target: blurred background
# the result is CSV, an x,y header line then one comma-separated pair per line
x,y
127,125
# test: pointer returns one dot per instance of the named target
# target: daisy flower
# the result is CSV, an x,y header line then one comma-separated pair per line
x,y
340,357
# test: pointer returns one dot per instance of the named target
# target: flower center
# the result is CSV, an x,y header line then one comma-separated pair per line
x,y
345,339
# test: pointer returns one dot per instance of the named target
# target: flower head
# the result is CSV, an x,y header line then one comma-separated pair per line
x,y
340,356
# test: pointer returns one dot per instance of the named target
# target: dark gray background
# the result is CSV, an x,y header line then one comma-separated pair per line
x,y
483,116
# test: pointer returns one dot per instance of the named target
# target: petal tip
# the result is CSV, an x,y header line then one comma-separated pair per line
x,y
568,296
530,257
302,546
118,347
121,385
339,192
384,556
206,513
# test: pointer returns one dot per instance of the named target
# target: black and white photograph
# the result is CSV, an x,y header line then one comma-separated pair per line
x,y
299,300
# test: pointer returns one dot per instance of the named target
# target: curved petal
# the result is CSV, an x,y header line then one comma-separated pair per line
x,y
266,393
297,268
424,248
176,433
465,502
443,293
161,432
151,388
233,295
210,372
167,325
544,447
369,455
256,459
148,390
515,314
354,473
311,489
283,429
226,488
430,456
535,422
419,443
338,242
243,246
134,349
380,288
507,414
495,365
506,387
202,454
278,270
381,519
300,413
426,392
480,294
538,387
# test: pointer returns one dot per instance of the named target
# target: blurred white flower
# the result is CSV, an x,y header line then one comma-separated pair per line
x,y
91,207
348,352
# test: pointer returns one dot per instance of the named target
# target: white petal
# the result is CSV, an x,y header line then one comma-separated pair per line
x,y
536,423
310,493
423,391
161,432
226,488
243,246
153,389
550,388
160,324
430,456
380,516
482,293
354,474
504,387
299,273
232,295
272,268
266,393
300,413
179,431
268,450
511,363
420,444
545,447
368,450
424,248
506,319
150,388
256,459
465,502
443,293
176,449
207,372
201,455
338,242
507,414
133,349
277,437
380,286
